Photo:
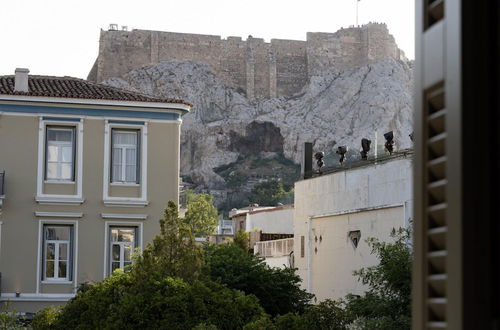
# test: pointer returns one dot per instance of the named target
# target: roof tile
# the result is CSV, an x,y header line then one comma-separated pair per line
x,y
69,87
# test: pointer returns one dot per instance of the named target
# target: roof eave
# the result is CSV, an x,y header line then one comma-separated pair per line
x,y
176,106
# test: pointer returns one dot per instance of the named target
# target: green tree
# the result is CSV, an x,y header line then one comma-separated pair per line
x,y
164,289
173,252
201,213
278,290
269,192
241,240
387,303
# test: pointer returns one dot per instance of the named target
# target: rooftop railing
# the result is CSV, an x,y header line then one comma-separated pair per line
x,y
276,248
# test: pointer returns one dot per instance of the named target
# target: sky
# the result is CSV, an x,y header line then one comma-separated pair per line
x,y
61,37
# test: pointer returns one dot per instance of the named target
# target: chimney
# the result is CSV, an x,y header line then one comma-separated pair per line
x,y
21,80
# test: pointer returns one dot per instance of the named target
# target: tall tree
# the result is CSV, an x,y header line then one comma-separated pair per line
x,y
201,214
173,253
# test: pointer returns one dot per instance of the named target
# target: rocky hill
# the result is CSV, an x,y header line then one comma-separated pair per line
x,y
227,135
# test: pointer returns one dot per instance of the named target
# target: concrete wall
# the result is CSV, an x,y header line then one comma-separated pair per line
x,y
19,226
373,199
252,66
275,221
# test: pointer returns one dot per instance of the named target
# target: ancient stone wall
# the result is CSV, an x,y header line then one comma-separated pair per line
x,y
253,67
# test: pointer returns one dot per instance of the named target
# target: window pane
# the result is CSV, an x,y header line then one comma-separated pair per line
x,y
115,265
63,269
124,137
66,170
57,233
130,156
127,253
115,252
127,264
63,251
130,173
126,235
60,135
49,269
50,252
52,153
117,156
52,171
67,154
114,234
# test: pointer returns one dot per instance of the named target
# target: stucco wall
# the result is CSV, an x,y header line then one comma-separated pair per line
x,y
19,241
372,199
273,221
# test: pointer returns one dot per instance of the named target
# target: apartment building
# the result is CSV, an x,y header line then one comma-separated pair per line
x,y
87,170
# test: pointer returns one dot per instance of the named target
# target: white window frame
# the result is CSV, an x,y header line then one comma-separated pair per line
x,y
107,232
122,245
42,197
125,201
56,259
124,147
72,264
60,145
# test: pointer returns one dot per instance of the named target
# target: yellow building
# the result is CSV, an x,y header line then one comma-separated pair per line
x,y
88,170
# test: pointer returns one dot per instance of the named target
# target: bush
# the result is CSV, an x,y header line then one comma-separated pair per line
x,y
278,290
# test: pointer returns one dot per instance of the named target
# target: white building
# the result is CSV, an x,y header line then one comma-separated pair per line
x,y
336,212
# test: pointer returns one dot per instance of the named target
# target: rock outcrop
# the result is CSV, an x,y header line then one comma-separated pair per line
x,y
334,108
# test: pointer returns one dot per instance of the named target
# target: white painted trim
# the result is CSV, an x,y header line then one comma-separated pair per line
x,y
52,198
124,216
37,296
363,209
124,184
56,282
39,280
22,114
124,201
107,224
41,157
174,107
58,182
58,199
58,214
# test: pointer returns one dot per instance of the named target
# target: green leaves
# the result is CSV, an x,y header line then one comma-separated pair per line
x,y
201,214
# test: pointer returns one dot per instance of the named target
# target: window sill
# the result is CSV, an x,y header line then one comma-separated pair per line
x,y
59,182
56,282
47,199
126,202
124,184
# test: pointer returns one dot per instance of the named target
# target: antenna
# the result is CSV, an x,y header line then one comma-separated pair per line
x,y
357,1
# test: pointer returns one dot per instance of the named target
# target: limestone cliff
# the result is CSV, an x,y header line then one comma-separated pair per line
x,y
334,108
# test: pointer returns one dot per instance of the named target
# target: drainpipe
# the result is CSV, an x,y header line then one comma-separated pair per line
x,y
309,254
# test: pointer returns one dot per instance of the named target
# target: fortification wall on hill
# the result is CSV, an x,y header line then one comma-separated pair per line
x,y
252,66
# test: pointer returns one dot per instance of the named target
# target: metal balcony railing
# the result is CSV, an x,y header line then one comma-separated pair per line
x,y
276,248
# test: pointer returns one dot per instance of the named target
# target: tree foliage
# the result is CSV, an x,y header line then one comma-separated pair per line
x,y
164,289
387,303
173,253
201,213
278,290
269,192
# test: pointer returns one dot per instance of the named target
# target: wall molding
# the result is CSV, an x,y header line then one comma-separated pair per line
x,y
124,216
58,214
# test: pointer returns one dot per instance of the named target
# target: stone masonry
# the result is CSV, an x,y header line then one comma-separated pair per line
x,y
253,67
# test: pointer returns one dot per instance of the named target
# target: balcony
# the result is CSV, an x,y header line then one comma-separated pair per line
x,y
275,248
225,227
2,191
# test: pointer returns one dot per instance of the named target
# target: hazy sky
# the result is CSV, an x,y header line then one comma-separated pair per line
x,y
60,37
